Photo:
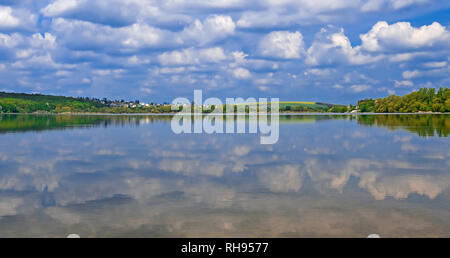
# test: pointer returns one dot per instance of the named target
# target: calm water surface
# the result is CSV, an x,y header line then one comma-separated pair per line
x,y
130,176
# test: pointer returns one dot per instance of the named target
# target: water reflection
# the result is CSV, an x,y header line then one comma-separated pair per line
x,y
131,176
423,125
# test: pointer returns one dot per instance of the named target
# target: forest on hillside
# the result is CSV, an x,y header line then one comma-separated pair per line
x,y
38,103
30,103
423,100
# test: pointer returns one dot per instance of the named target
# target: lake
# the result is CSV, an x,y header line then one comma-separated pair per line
x,y
131,176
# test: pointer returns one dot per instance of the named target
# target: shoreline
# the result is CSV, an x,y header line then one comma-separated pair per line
x,y
210,114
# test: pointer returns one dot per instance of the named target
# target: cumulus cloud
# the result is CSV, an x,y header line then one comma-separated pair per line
x,y
241,73
332,46
305,12
360,88
108,12
410,74
7,20
10,41
404,83
32,52
16,18
293,12
86,35
403,36
124,13
213,28
192,56
59,7
282,44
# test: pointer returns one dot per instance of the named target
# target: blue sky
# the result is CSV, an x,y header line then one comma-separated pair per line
x,y
335,51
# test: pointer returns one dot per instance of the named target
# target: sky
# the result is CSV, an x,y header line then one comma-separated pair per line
x,y
335,51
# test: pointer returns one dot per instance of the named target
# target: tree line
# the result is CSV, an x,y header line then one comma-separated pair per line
x,y
423,100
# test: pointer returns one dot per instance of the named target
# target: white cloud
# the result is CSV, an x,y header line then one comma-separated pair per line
x,y
192,56
435,64
276,13
405,83
404,57
241,73
334,47
201,4
241,150
63,73
410,74
118,12
82,34
101,72
239,57
31,52
376,5
16,18
372,5
384,89
282,44
400,187
43,41
312,6
213,28
318,72
171,70
360,88
401,35
356,77
141,35
7,20
99,11
59,7
263,88
319,151
36,46
399,4
10,41
146,90
282,179
39,61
